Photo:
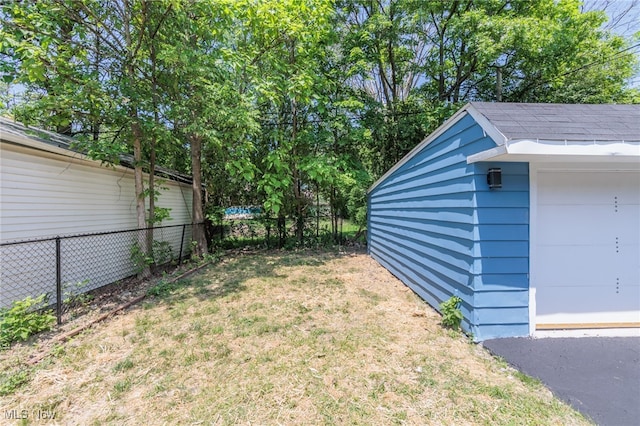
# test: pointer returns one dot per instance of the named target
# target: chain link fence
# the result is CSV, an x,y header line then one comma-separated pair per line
x,y
64,267
243,230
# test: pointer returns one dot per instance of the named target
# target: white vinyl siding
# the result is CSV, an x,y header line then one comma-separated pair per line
x,y
45,194
51,192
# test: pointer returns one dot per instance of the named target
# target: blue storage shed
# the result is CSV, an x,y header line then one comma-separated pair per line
x,y
528,212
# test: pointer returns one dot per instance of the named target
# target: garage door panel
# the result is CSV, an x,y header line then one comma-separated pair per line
x,y
570,265
581,226
584,222
578,275
570,187
594,304
587,267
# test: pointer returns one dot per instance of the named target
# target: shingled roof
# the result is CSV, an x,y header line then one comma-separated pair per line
x,y
570,122
547,132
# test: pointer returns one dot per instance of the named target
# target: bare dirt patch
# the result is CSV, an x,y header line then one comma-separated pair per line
x,y
281,338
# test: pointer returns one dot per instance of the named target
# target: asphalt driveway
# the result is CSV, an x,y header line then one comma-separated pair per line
x,y
598,376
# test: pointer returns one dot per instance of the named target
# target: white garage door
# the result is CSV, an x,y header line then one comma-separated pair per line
x,y
587,267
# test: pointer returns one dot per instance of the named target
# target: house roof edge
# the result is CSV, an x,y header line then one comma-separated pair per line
x,y
18,134
469,109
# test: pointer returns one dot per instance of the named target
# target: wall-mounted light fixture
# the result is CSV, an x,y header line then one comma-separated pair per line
x,y
494,178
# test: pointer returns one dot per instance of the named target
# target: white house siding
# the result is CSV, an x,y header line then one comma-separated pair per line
x,y
46,194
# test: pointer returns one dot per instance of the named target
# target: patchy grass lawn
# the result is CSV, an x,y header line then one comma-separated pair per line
x,y
277,338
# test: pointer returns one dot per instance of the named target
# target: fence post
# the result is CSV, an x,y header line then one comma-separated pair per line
x,y
184,226
58,282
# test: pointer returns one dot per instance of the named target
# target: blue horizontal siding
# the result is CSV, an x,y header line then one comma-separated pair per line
x,y
455,247
502,215
454,229
506,232
431,285
499,315
508,199
501,282
446,172
435,224
456,200
498,248
431,267
501,299
486,298
452,186
501,265
461,215
494,331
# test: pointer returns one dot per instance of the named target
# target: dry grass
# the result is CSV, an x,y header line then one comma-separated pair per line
x,y
280,338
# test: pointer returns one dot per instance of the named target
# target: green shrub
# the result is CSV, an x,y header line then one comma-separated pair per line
x,y
73,295
162,252
25,318
12,381
139,258
165,288
451,314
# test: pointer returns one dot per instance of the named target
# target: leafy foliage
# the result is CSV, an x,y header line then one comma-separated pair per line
x,y
161,253
25,318
12,381
451,314
140,258
290,104
73,294
166,288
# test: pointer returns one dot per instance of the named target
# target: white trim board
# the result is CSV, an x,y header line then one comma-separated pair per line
x,y
561,151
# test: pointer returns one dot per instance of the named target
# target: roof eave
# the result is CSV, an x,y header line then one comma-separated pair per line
x,y
530,150
38,145
33,143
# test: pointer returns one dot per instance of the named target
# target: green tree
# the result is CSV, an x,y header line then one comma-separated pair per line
x,y
290,103
288,39
414,62
94,65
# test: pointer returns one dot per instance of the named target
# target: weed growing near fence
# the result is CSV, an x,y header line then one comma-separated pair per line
x,y
74,295
25,318
165,288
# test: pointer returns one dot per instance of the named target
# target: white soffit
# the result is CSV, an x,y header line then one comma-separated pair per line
x,y
529,150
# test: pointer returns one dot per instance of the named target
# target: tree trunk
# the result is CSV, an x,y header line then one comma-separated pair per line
x,y
139,188
154,141
198,233
136,131
152,201
334,214
282,230
317,211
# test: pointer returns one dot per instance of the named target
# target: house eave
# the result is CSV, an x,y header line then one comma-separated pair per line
x,y
535,150
62,148
37,145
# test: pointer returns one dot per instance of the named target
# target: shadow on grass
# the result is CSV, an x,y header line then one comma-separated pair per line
x,y
228,277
